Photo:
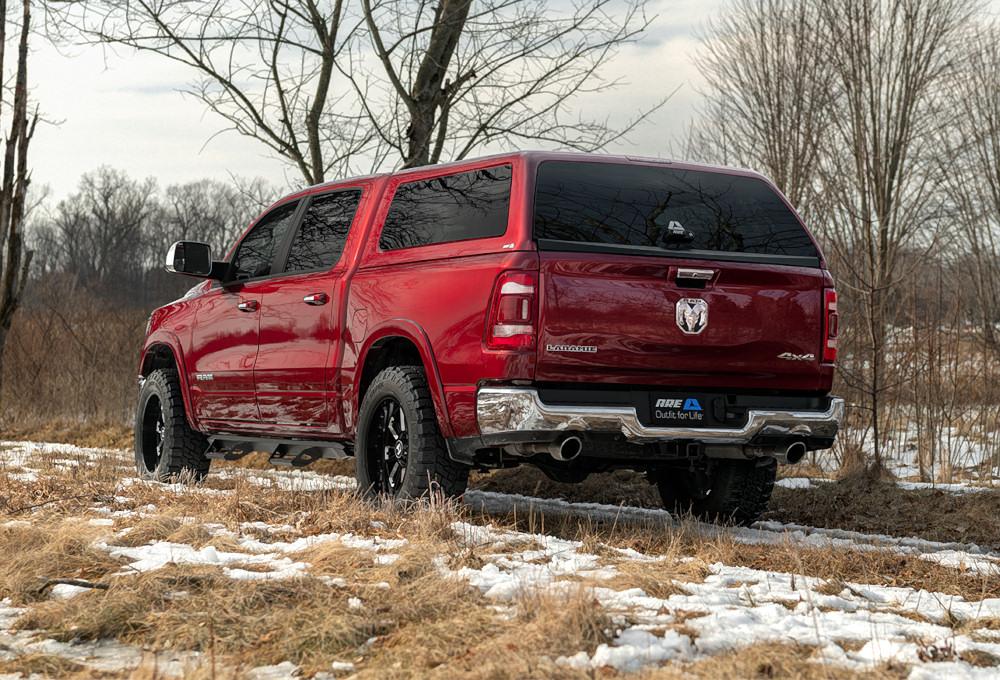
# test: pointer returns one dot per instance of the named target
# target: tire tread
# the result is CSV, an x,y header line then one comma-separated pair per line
x,y
433,464
184,446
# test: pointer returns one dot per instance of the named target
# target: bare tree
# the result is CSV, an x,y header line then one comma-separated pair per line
x,y
210,211
341,89
99,231
457,76
265,67
14,258
971,169
768,93
845,104
891,60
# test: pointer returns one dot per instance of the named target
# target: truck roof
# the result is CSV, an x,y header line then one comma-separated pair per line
x,y
537,156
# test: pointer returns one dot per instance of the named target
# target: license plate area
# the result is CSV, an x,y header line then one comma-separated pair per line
x,y
681,410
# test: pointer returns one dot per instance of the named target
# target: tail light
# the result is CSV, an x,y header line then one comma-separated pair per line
x,y
511,323
831,323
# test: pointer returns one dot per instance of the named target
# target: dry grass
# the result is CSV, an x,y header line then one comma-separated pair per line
x,y
657,579
259,622
35,553
165,528
477,643
97,434
690,539
424,623
621,487
259,461
863,502
413,621
769,660
45,665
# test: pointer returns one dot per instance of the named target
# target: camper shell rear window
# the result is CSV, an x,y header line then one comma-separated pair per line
x,y
654,210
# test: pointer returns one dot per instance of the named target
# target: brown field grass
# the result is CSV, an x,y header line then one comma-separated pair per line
x,y
408,618
35,553
770,660
97,434
866,503
860,502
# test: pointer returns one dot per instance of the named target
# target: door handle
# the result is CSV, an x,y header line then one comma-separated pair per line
x,y
316,299
248,306
689,274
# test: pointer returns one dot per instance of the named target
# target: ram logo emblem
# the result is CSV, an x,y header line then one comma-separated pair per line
x,y
692,315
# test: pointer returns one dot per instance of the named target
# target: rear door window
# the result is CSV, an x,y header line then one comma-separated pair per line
x,y
467,205
664,208
322,234
255,255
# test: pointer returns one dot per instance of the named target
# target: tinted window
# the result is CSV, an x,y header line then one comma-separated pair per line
x,y
255,254
453,208
323,232
665,208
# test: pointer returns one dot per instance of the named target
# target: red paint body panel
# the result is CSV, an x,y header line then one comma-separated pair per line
x,y
292,373
223,345
624,305
294,370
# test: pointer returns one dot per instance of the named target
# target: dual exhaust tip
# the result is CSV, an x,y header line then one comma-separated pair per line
x,y
569,448
564,450
795,452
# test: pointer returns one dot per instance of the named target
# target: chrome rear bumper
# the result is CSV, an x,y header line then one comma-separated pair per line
x,y
516,410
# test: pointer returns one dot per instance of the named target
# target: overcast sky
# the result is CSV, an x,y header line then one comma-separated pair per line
x,y
127,110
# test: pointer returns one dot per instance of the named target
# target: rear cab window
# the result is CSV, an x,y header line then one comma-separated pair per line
x,y
322,234
652,210
458,207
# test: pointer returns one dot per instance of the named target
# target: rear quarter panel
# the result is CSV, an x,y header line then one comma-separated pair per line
x,y
437,296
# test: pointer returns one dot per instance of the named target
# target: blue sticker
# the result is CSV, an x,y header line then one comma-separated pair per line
x,y
691,405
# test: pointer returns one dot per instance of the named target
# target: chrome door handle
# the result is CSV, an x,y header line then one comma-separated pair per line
x,y
695,274
316,299
248,306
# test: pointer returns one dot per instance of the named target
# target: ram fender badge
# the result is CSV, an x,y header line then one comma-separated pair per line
x,y
692,315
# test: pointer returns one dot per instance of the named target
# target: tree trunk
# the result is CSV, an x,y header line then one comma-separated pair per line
x,y
428,92
15,259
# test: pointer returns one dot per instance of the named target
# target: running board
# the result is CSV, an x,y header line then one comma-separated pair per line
x,y
284,452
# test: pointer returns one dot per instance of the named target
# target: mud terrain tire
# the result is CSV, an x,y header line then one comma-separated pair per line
x,y
736,492
399,450
165,445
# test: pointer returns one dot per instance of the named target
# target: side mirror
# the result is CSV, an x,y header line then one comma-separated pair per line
x,y
191,258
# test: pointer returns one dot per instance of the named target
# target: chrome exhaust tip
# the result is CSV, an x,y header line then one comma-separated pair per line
x,y
568,449
795,452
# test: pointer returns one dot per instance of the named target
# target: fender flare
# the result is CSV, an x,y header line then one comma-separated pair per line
x,y
171,342
409,330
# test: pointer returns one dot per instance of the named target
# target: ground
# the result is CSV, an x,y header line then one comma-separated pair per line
x,y
265,573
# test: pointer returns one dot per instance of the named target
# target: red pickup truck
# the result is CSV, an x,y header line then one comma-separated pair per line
x,y
577,312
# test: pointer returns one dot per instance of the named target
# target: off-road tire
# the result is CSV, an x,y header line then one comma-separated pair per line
x,y
428,468
182,453
735,492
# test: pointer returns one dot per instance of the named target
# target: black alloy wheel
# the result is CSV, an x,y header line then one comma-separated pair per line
x,y
400,453
166,447
152,431
389,446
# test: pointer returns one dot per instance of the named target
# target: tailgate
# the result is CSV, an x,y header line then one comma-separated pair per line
x,y
627,319
670,274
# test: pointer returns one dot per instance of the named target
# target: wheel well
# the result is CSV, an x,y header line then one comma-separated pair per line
x,y
394,351
157,356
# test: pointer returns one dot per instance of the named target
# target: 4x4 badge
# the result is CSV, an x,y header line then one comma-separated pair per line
x,y
692,315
